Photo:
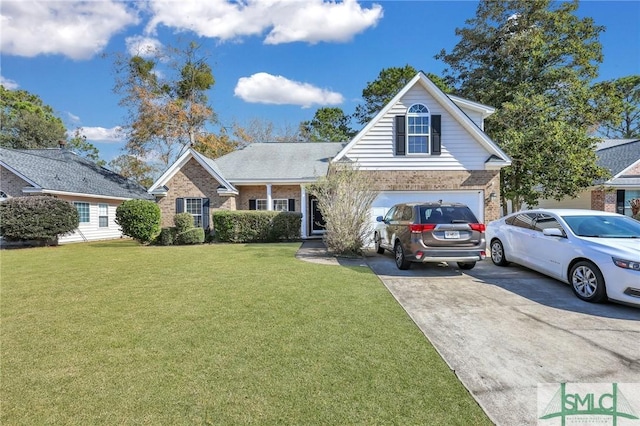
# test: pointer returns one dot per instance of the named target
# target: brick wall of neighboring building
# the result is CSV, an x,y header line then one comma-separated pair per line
x,y
610,201
603,200
192,181
425,180
11,184
258,192
597,199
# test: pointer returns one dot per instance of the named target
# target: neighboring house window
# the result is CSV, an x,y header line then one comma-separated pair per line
x,y
3,196
198,207
103,215
418,129
193,206
280,204
83,211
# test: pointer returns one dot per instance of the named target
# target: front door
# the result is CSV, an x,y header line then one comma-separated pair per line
x,y
317,221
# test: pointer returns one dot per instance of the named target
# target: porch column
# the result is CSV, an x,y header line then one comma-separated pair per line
x,y
303,210
269,198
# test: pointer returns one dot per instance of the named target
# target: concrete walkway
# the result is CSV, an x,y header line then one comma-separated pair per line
x,y
506,332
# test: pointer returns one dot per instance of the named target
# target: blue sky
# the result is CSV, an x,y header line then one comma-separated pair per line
x,y
275,60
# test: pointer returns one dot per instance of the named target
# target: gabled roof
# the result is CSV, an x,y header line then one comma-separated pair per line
x,y
619,156
294,162
448,103
60,171
208,164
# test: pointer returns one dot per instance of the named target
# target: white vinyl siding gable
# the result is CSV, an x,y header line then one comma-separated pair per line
x,y
460,151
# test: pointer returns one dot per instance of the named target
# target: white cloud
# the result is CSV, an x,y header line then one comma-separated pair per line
x,y
284,21
270,89
75,29
8,83
143,46
74,118
101,134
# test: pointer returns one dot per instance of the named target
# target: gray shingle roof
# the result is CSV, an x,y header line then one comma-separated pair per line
x,y
617,155
295,161
64,171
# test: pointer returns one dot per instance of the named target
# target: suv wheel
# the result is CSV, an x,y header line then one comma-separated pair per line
x,y
466,265
401,260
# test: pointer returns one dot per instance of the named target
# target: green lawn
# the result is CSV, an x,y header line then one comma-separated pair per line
x,y
117,333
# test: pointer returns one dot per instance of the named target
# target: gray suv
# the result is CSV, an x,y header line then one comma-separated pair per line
x,y
431,232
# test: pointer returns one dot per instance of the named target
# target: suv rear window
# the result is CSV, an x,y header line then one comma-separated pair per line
x,y
446,214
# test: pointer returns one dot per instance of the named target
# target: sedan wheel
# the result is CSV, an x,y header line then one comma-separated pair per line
x,y
401,261
587,282
379,248
497,253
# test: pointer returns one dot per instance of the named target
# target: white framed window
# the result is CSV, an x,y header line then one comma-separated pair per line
x,y
281,205
83,211
418,129
103,215
193,206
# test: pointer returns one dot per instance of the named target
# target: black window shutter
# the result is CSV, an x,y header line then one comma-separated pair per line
x,y
401,135
620,201
205,213
435,135
179,205
252,204
292,204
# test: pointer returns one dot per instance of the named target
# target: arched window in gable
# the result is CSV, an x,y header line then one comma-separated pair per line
x,y
418,129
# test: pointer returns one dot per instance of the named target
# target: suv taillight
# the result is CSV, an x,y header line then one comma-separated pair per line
x,y
480,227
420,228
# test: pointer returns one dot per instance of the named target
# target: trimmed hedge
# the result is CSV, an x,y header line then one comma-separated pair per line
x,y
183,222
139,219
167,236
245,226
190,236
39,218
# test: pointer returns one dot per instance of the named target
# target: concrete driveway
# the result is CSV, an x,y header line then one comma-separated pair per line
x,y
505,330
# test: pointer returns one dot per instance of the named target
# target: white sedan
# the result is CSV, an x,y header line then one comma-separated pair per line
x,y
597,253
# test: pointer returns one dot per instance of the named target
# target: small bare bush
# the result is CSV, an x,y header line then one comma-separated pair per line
x,y
345,197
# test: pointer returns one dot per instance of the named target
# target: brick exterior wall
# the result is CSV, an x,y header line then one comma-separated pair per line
x,y
603,200
11,184
425,180
260,192
192,181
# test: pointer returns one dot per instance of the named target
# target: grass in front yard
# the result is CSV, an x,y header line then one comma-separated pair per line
x,y
117,333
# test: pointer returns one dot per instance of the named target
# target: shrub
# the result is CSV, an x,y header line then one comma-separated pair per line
x,y
183,222
139,219
345,197
40,218
167,236
245,226
190,236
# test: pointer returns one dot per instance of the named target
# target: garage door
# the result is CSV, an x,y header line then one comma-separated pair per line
x,y
384,201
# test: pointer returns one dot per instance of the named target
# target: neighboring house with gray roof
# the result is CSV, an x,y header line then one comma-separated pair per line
x,y
95,191
423,145
622,158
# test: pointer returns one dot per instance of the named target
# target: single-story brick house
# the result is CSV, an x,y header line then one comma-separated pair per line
x,y
95,191
622,158
423,145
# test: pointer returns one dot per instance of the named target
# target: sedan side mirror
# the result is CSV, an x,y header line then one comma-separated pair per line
x,y
553,232
379,219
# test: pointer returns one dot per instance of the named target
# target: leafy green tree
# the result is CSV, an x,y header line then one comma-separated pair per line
x,y
535,60
133,168
390,81
27,122
328,125
627,124
166,96
78,144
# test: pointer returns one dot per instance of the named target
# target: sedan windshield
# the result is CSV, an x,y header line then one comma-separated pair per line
x,y
604,226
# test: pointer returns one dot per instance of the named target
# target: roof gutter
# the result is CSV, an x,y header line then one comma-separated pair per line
x,y
71,194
